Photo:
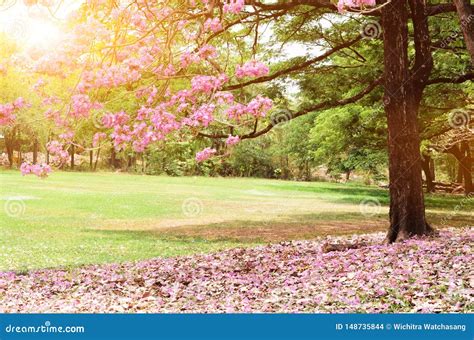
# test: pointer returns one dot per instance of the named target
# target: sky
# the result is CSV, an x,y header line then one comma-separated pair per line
x,y
34,26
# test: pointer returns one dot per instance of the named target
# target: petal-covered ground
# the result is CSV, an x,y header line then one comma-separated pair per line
x,y
420,275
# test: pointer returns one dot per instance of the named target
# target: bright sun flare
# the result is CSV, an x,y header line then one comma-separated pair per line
x,y
42,34
33,26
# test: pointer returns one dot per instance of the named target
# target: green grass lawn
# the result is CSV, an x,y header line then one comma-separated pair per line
x,y
71,219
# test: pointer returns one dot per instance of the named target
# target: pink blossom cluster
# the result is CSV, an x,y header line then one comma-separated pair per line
x,y
159,125
40,170
165,71
112,119
234,6
67,136
202,116
343,4
152,124
251,68
188,58
207,51
161,113
81,106
208,84
55,115
56,150
232,140
205,154
224,98
213,25
7,111
257,107
51,100
109,77
39,85
139,20
98,137
149,93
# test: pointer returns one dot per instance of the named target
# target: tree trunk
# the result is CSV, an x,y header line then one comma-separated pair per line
x,y
91,159
96,159
9,145
466,18
432,169
463,156
35,151
73,151
460,176
467,167
113,158
402,96
426,165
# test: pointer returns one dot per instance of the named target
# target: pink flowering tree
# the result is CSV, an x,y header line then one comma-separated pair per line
x,y
147,71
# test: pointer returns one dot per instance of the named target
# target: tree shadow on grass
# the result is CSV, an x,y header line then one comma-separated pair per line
x,y
295,227
355,194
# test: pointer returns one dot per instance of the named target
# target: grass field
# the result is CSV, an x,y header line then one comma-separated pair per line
x,y
71,219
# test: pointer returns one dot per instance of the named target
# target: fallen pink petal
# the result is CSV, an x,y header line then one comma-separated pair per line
x,y
420,275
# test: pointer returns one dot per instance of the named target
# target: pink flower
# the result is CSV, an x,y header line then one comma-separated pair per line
x,y
98,137
207,84
259,106
6,114
7,110
213,24
25,168
188,58
20,103
39,84
232,140
56,150
40,170
224,98
343,4
205,154
251,68
234,6
207,51
81,106
203,115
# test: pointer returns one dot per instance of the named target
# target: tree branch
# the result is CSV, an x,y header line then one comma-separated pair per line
x,y
456,80
295,67
321,106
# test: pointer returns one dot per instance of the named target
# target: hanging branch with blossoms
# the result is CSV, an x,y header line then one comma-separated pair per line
x,y
168,59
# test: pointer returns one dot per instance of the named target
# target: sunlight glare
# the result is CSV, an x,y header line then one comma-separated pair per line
x,y
42,34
